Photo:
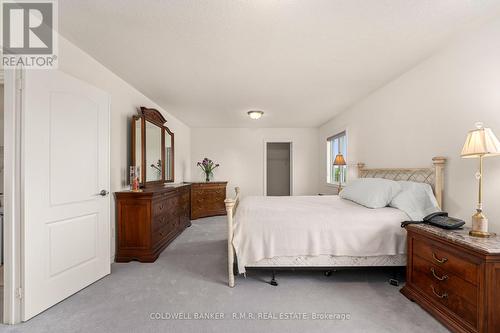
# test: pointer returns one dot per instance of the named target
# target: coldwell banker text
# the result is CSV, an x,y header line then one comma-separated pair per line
x,y
29,37
249,316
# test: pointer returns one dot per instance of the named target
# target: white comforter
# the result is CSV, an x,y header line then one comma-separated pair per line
x,y
266,227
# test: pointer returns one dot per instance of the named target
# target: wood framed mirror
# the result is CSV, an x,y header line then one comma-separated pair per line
x,y
152,148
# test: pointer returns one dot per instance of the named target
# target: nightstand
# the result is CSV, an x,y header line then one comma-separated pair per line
x,y
455,277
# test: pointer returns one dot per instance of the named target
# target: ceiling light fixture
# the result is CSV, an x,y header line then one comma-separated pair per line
x,y
255,114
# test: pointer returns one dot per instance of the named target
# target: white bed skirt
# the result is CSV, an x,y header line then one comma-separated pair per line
x,y
331,261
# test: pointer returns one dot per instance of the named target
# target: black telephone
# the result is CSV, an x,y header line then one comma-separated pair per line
x,y
439,219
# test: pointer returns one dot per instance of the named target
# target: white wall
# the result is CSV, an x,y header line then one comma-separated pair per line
x,y
240,152
125,100
427,112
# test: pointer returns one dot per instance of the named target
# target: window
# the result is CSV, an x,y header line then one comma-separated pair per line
x,y
336,144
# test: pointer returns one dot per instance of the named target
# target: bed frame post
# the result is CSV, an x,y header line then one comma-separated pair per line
x,y
439,165
231,205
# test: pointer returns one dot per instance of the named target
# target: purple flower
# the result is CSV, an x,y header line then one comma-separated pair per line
x,y
207,165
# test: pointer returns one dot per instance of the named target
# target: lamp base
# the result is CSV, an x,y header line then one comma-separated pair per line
x,y
481,234
480,225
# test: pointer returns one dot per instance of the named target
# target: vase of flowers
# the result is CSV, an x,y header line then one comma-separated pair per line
x,y
208,166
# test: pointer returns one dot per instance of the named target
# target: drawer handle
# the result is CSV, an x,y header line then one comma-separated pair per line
x,y
441,261
443,295
442,278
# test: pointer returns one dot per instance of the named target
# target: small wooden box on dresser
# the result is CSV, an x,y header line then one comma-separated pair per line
x,y
148,221
455,277
207,199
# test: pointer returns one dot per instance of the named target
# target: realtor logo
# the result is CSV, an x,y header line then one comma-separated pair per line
x,y
29,33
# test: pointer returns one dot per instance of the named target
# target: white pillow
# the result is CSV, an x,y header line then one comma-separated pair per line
x,y
416,199
371,192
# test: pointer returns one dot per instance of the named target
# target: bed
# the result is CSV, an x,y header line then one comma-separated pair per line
x,y
276,232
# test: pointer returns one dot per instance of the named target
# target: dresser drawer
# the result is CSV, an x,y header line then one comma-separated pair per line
x,y
444,280
161,234
434,253
160,222
164,204
216,195
159,207
165,228
184,190
185,201
446,296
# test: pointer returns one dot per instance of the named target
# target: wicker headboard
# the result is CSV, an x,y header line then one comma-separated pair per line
x,y
432,176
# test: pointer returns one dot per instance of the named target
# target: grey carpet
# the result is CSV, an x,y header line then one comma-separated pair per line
x,y
190,277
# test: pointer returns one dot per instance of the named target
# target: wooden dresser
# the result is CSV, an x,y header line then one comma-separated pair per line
x,y
455,277
148,221
207,199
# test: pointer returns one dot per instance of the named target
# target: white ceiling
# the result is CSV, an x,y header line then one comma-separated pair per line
x,y
301,62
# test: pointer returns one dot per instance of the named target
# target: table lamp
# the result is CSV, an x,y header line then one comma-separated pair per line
x,y
339,161
480,143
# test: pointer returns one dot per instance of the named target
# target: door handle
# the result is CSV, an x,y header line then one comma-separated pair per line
x,y
103,193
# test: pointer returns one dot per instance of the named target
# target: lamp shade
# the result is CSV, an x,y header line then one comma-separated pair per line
x,y
339,160
480,142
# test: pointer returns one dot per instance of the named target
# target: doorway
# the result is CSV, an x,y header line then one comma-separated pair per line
x,y
278,168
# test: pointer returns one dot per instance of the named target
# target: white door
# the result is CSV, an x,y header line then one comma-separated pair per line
x,y
65,166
